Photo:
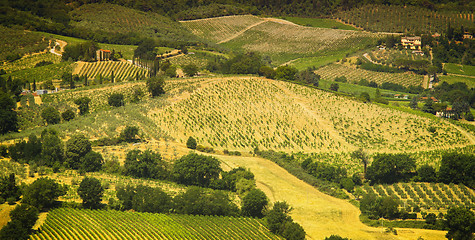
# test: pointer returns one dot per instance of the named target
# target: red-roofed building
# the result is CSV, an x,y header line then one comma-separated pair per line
x,y
103,55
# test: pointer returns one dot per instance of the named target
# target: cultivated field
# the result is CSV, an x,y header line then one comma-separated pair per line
x,y
331,71
110,18
283,41
66,223
383,18
121,70
30,61
427,196
244,112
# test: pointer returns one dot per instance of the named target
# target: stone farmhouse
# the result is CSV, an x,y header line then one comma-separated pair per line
x,y
103,55
411,42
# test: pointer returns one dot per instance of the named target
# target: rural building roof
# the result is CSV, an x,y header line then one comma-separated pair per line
x,y
104,50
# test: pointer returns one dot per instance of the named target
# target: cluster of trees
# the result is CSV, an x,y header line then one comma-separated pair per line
x,y
279,222
49,150
83,51
392,168
451,47
457,94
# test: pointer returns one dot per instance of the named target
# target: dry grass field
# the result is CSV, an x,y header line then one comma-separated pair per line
x,y
319,214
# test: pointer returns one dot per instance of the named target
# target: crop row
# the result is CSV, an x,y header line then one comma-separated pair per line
x,y
331,71
121,70
220,28
65,223
427,195
382,18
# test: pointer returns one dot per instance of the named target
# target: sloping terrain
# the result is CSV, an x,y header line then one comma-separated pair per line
x,y
244,112
319,214
117,19
280,39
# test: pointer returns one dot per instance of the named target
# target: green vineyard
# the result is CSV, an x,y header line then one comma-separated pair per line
x,y
404,19
434,196
331,71
66,223
122,70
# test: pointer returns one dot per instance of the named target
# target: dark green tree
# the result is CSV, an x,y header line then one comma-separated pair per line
x,y
293,231
286,73
461,223
144,199
52,148
390,168
428,106
362,156
277,216
14,230
267,72
68,115
254,204
457,168
116,100
92,162
83,105
195,169
334,87
42,193
426,173
76,148
198,201
26,214
8,117
365,97
145,164
190,70
129,134
191,143
91,191
8,187
51,115
155,85
308,76
336,237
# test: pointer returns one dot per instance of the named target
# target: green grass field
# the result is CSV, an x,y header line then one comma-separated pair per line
x,y
319,22
459,69
470,81
66,223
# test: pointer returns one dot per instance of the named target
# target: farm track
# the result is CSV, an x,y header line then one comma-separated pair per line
x,y
319,214
241,32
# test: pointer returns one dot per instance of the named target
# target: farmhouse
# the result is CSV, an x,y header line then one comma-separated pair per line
x,y
103,55
467,35
411,42
447,113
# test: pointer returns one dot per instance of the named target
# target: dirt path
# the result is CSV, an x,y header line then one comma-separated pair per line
x,y
241,32
366,55
319,214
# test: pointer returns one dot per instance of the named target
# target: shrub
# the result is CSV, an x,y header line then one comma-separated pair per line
x,y
83,104
334,87
68,115
128,134
191,143
190,70
116,99
155,85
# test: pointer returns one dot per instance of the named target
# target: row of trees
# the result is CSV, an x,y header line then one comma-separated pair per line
x,y
49,150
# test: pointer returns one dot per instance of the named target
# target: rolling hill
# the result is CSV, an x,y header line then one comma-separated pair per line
x,y
283,41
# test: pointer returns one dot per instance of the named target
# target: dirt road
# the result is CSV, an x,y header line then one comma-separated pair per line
x,y
319,214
